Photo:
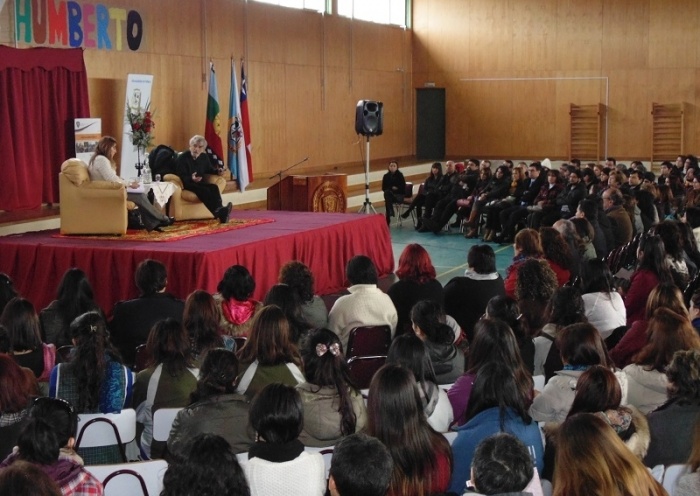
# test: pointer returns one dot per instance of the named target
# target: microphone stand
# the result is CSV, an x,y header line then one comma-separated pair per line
x,y
279,182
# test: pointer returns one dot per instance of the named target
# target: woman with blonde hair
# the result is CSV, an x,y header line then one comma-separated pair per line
x,y
592,459
269,355
103,168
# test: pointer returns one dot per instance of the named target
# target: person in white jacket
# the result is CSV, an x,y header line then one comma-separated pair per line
x,y
580,346
366,305
647,383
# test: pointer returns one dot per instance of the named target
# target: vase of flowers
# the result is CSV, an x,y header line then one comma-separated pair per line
x,y
142,125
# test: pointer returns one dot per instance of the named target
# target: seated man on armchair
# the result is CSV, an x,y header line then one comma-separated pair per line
x,y
191,166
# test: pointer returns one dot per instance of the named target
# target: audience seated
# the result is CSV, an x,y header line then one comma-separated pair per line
x,y
17,386
284,297
25,347
497,404
366,305
682,267
201,321
422,457
167,381
466,296
565,307
429,187
591,459
502,465
662,296
361,466
269,355
333,408
556,253
74,297
132,320
429,325
507,310
652,270
7,290
47,441
534,287
581,347
215,407
416,282
207,465
526,245
94,380
598,392
667,333
494,341
671,424
603,305
410,352
298,276
234,299
26,479
277,463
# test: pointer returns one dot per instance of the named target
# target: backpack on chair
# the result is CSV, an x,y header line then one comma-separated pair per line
x,y
162,160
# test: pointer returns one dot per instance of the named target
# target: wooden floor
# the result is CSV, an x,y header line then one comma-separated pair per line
x,y
20,216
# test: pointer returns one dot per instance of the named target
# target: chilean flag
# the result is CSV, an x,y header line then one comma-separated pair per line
x,y
246,122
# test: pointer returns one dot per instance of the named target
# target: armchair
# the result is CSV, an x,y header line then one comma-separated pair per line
x,y
90,207
184,205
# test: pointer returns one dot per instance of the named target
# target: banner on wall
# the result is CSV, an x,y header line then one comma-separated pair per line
x,y
138,99
87,133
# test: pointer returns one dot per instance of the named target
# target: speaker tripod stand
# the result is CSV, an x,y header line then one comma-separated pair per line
x,y
367,207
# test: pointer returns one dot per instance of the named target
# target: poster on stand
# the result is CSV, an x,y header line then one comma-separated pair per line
x,y
87,133
138,99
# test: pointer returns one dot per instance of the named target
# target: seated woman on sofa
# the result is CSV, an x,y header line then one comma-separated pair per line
x,y
102,168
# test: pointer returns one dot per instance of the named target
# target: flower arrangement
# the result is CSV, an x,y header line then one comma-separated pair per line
x,y
142,125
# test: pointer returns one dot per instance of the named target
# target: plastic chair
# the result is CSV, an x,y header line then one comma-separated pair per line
x,y
368,341
141,358
131,478
240,341
363,368
103,429
401,207
162,423
671,476
63,354
539,382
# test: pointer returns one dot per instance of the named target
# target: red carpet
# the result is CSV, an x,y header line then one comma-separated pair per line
x,y
176,232
325,242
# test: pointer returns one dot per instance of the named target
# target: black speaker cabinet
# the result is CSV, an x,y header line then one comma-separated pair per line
x,y
369,118
430,123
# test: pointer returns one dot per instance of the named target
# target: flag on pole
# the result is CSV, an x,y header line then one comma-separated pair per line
x,y
213,126
237,160
245,121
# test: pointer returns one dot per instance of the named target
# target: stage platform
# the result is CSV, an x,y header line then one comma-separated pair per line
x,y
325,242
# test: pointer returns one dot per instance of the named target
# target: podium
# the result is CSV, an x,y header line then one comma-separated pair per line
x,y
318,193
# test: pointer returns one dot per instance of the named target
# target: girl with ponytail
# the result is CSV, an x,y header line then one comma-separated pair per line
x,y
333,407
94,380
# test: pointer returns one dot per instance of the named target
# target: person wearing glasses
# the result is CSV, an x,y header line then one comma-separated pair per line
x,y
47,441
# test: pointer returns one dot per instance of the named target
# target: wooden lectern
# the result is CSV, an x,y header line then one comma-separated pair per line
x,y
321,193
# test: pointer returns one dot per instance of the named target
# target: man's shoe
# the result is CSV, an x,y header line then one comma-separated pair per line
x,y
406,214
225,212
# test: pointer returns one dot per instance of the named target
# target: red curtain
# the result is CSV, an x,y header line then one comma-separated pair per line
x,y
41,91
